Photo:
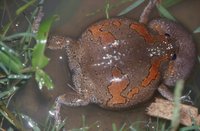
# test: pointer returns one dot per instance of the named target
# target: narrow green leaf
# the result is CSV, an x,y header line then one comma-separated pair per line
x,y
43,79
10,63
18,35
9,51
20,76
123,127
177,104
107,8
59,126
24,7
2,66
114,127
164,12
169,3
39,60
10,117
6,28
131,7
8,92
9,58
197,30
199,59
31,122
190,128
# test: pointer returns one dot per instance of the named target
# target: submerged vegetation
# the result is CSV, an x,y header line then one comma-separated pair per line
x,y
22,57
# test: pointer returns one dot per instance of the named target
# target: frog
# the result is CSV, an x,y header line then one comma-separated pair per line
x,y
119,63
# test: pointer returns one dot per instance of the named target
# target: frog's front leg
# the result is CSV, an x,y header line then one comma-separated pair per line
x,y
144,17
72,47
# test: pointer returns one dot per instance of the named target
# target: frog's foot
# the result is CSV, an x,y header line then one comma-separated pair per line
x,y
58,42
144,17
73,100
165,92
69,100
186,98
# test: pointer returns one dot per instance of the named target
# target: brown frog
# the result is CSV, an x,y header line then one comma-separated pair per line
x,y
118,63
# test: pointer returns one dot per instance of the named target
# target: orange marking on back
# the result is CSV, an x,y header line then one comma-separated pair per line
x,y
170,69
105,36
118,84
153,71
117,23
133,92
116,72
142,30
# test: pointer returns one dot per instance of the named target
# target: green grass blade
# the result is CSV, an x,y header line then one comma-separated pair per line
x,y
123,127
169,3
6,28
197,30
10,117
131,7
20,76
31,123
5,48
10,63
114,127
9,58
164,12
3,67
24,7
18,35
190,128
107,8
177,104
8,92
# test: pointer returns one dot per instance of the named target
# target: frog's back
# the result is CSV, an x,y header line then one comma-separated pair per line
x,y
117,63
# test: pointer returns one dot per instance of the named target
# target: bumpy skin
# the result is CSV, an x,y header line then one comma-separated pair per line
x,y
119,63
182,66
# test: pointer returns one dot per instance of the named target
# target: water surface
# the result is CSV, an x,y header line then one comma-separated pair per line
x,y
73,20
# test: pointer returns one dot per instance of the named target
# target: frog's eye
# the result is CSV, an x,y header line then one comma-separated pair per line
x,y
174,56
167,35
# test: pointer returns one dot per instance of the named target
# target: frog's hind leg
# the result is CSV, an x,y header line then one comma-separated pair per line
x,y
144,17
165,92
73,99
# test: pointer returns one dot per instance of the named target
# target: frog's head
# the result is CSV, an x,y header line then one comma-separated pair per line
x,y
182,62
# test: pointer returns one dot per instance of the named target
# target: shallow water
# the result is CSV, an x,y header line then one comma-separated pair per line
x,y
73,21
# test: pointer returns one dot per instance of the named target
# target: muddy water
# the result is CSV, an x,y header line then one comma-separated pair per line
x,y
73,21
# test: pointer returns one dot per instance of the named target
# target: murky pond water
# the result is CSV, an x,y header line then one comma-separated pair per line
x,y
73,21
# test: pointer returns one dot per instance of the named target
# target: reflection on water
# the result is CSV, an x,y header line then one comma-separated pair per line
x,y
73,21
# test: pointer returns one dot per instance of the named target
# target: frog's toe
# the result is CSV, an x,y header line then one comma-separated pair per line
x,y
58,42
186,98
73,100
